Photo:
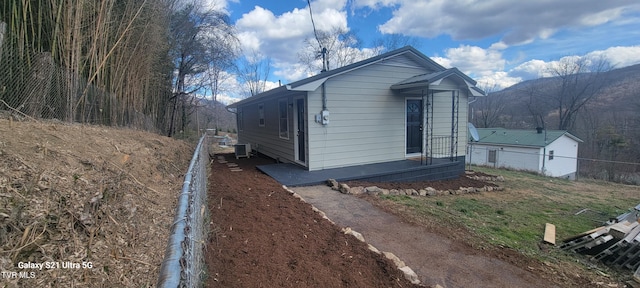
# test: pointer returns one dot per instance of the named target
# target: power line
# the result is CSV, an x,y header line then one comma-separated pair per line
x,y
315,32
323,50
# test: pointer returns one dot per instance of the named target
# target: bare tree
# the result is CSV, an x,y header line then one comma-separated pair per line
x,y
536,103
576,82
194,31
486,111
393,41
337,47
254,71
224,49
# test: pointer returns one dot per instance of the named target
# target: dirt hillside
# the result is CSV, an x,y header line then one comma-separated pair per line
x,y
91,205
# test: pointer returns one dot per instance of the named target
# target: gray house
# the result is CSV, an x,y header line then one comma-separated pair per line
x,y
398,107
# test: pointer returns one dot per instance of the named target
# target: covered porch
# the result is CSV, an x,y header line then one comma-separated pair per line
x,y
435,104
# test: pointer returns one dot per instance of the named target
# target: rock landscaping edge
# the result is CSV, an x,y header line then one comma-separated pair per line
x,y
409,274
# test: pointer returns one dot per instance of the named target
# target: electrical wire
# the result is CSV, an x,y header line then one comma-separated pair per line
x,y
313,23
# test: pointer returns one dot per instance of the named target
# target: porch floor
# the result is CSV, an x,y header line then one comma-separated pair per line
x,y
397,171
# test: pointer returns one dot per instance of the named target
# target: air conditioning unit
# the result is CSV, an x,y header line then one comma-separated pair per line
x,y
243,150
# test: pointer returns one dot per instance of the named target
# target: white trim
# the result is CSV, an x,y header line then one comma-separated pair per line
x,y
286,103
311,86
240,119
296,145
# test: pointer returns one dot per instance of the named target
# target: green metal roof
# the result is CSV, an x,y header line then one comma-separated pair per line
x,y
502,136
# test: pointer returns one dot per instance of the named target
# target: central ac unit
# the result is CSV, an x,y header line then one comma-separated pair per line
x,y
243,150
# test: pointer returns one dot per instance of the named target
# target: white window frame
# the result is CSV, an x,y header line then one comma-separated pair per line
x,y
240,122
283,133
495,156
261,121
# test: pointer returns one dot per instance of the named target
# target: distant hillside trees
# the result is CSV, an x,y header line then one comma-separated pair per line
x,y
599,105
488,111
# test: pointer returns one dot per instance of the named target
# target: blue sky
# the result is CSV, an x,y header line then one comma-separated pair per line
x,y
497,42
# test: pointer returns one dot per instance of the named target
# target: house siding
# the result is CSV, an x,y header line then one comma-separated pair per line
x,y
536,159
367,119
565,158
366,122
521,158
266,139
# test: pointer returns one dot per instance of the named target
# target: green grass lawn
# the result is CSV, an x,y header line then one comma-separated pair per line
x,y
516,217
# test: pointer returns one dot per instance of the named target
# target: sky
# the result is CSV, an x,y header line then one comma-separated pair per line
x,y
498,43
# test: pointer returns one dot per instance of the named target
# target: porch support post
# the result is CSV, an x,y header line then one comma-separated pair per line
x,y
424,130
455,110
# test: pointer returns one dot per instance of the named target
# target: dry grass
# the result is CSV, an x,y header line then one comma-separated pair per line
x,y
77,194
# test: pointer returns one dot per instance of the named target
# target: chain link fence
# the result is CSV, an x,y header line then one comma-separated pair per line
x,y
33,86
183,264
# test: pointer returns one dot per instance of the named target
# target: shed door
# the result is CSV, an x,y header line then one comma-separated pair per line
x,y
414,126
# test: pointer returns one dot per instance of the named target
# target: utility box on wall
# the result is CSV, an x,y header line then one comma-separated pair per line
x,y
324,117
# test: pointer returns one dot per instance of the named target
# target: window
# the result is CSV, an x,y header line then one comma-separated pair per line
x,y
550,154
283,112
240,120
261,115
492,156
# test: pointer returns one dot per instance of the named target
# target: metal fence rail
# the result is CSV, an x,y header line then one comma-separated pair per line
x,y
183,264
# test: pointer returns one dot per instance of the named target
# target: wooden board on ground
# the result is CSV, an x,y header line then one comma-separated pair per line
x,y
550,233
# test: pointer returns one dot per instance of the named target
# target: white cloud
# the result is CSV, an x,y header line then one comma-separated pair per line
x,y
497,80
531,69
619,56
375,4
474,60
520,22
218,5
445,62
280,37
616,56
486,66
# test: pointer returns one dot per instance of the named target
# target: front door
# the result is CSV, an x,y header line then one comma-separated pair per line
x,y
300,131
414,126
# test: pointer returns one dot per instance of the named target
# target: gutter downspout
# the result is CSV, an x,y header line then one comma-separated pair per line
x,y
324,97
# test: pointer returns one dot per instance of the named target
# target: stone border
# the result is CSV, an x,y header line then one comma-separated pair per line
x,y
409,274
427,191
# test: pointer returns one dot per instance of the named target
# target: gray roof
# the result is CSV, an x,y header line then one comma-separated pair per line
x,y
420,81
432,77
512,137
412,52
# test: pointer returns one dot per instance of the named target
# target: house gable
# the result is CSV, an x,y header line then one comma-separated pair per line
x,y
361,107
363,110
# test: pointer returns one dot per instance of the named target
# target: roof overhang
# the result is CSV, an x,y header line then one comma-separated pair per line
x,y
433,81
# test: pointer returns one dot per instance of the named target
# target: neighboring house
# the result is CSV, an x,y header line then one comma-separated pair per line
x,y
395,106
548,152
